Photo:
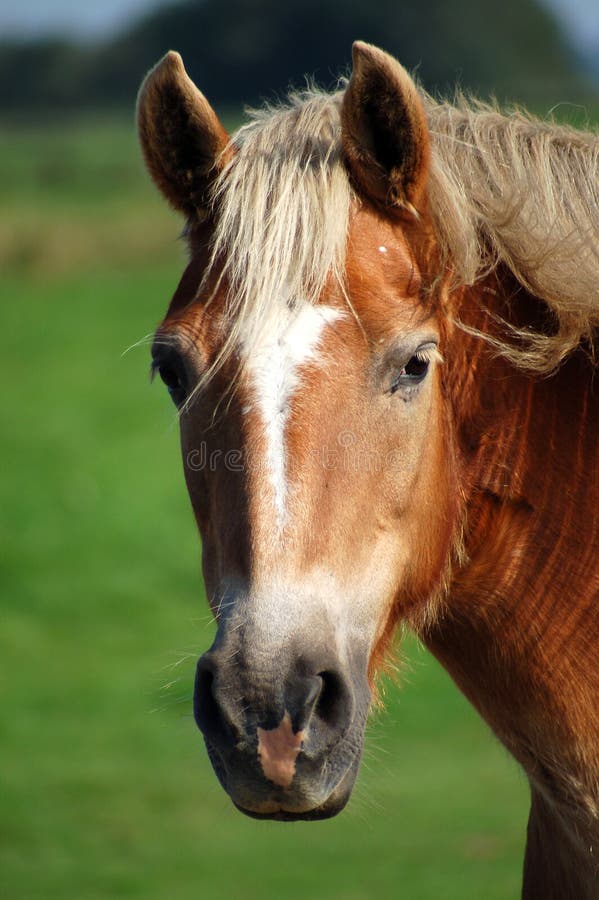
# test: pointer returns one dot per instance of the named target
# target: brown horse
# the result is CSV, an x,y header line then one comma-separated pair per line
x,y
382,354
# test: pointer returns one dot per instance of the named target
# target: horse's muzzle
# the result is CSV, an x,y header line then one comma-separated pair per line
x,y
284,733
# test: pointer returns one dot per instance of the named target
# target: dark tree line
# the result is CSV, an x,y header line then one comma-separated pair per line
x,y
241,51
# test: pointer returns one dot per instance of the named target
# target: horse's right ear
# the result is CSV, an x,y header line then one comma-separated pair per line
x,y
183,142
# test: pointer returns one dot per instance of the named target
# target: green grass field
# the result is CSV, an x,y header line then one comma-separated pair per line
x,y
106,791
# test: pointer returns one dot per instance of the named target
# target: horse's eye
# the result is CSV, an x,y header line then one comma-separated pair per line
x,y
169,377
412,373
417,367
173,378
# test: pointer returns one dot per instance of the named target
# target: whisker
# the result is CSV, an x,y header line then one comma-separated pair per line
x,y
142,342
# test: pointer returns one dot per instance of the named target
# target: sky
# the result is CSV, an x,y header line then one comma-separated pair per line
x,y
32,18
581,19
103,17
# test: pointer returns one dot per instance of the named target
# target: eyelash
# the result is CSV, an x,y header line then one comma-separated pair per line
x,y
420,364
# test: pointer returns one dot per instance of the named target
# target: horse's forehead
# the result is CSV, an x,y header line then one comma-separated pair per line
x,y
382,275
382,281
379,249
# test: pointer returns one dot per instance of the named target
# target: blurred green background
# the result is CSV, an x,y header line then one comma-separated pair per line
x,y
105,789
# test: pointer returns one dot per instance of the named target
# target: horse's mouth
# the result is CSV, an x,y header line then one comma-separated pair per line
x,y
278,812
325,811
290,808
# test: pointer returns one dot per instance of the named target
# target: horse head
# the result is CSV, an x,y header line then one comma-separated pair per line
x,y
303,349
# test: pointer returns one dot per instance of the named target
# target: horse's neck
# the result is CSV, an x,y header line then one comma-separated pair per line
x,y
521,627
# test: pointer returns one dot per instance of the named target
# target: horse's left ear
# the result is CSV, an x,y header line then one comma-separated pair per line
x,y
385,133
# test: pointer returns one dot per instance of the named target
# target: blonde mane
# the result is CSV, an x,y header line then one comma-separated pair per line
x,y
504,189
283,204
517,191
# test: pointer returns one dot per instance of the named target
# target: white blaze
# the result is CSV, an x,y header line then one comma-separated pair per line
x,y
288,340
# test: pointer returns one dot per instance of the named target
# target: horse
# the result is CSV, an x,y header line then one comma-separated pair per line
x,y
381,351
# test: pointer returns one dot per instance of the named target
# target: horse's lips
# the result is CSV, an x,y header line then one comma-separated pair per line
x,y
283,815
276,810
278,813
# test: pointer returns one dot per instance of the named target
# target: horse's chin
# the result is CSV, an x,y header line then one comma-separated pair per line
x,y
286,810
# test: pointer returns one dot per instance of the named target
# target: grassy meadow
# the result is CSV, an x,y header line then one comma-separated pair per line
x,y
105,787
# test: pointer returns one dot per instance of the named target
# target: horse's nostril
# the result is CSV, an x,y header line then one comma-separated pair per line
x,y
207,711
315,685
301,697
333,701
324,697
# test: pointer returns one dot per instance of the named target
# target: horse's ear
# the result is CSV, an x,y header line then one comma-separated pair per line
x,y
385,133
183,142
